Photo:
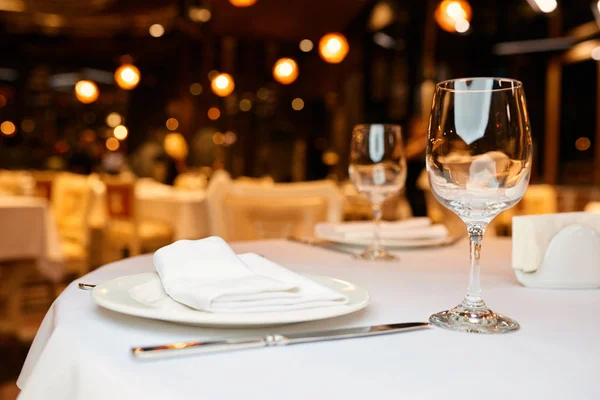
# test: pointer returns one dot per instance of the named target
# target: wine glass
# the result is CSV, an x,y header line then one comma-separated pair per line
x,y
377,170
479,163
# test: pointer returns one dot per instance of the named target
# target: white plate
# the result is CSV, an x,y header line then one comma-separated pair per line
x,y
326,232
114,295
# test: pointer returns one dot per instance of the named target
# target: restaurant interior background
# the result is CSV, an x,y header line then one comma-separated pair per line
x,y
164,88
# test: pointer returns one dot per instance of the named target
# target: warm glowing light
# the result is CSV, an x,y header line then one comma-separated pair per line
x,y
462,26
306,45
112,144
222,85
86,92
113,119
218,138
596,53
27,125
230,138
199,14
330,158
214,113
196,89
120,132
297,104
333,48
381,16
172,124
262,93
245,105
176,146
156,30
582,144
454,15
2,101
127,76
285,71
242,3
545,6
8,128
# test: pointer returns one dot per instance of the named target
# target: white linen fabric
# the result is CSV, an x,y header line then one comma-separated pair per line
x,y
83,351
414,228
207,275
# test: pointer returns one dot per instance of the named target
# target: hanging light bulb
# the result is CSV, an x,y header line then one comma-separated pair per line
x,y
222,85
285,71
242,3
86,91
127,76
454,15
333,47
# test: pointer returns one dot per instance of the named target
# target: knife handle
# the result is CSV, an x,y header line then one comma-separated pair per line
x,y
189,348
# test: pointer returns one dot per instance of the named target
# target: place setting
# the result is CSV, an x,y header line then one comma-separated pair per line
x,y
253,199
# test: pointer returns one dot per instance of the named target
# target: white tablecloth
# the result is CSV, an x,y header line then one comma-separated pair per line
x,y
28,231
83,352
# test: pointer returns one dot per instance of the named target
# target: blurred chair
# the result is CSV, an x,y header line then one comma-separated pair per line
x,y
16,183
191,181
271,211
43,183
254,218
215,193
264,180
125,229
71,198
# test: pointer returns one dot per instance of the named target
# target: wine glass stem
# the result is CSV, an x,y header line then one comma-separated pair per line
x,y
473,298
377,225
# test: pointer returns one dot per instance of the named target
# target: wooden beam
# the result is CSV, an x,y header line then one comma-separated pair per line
x,y
551,141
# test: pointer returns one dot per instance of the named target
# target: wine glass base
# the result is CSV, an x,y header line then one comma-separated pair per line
x,y
376,255
478,320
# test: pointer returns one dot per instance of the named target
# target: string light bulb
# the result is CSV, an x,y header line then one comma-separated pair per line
x,y
127,76
222,85
454,15
242,3
285,71
333,48
86,91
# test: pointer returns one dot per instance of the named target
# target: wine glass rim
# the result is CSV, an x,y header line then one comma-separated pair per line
x,y
362,126
516,84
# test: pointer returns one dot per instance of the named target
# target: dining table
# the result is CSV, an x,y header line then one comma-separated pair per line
x,y
83,351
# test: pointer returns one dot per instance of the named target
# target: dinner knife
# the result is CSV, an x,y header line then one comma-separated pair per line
x,y
183,348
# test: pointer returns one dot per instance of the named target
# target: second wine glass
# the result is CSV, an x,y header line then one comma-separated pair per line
x,y
377,170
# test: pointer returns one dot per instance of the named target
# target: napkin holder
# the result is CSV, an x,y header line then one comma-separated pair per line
x,y
560,251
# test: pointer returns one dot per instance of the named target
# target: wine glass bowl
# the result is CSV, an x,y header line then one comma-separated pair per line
x,y
377,170
479,163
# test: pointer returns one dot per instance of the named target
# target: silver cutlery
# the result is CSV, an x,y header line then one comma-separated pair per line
x,y
85,286
323,244
189,348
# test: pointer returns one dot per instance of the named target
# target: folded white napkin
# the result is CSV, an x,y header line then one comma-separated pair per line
x,y
207,275
557,250
410,229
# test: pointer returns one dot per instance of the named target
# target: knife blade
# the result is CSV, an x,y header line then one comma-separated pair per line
x,y
189,348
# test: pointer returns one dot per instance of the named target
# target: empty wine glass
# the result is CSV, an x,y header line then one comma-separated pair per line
x,y
377,170
479,162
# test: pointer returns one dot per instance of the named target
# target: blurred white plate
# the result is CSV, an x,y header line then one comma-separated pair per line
x,y
114,295
328,232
